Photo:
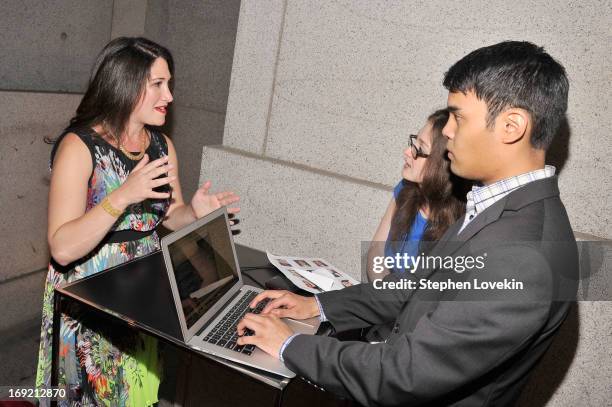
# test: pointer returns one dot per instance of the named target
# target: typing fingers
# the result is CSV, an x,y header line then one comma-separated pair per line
x,y
248,340
266,294
284,301
281,313
269,333
249,321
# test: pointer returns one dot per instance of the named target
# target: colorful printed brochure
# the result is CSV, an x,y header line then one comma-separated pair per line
x,y
314,275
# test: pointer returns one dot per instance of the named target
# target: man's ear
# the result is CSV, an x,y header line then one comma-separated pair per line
x,y
514,124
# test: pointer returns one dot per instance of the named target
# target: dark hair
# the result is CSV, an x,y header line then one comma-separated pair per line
x,y
515,74
117,83
443,192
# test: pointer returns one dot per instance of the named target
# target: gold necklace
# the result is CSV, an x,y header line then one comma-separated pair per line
x,y
135,157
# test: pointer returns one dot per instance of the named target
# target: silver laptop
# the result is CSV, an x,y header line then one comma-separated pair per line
x,y
209,294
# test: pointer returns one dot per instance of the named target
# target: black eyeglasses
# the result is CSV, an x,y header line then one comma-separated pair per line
x,y
416,150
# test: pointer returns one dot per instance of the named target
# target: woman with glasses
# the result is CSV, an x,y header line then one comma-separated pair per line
x,y
114,180
425,202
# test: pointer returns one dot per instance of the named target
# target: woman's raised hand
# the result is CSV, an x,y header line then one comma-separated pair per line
x,y
141,181
204,203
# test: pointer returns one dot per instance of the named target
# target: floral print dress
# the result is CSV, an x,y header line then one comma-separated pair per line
x,y
100,364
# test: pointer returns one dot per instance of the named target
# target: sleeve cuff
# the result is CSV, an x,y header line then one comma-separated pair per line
x,y
285,344
322,316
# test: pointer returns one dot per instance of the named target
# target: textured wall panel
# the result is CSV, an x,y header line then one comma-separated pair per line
x,y
24,165
129,18
293,211
253,71
354,78
51,45
201,37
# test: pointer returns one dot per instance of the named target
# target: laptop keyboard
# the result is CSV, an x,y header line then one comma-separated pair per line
x,y
224,332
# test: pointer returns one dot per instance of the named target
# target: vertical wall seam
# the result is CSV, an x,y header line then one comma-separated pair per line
x,y
280,41
144,20
110,34
232,83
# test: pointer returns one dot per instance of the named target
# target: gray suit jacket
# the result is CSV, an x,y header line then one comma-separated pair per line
x,y
456,347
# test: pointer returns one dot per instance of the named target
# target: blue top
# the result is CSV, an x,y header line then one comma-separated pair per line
x,y
412,239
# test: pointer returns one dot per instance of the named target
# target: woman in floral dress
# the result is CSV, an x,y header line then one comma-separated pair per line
x,y
114,180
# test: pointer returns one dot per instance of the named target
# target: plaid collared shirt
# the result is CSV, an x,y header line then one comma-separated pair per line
x,y
481,197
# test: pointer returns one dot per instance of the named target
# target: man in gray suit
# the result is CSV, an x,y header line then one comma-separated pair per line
x,y
464,344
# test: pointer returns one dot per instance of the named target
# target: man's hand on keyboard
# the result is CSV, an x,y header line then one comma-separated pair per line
x,y
267,332
285,304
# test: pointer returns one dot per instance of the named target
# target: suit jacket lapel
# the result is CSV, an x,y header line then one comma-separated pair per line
x,y
452,241
488,216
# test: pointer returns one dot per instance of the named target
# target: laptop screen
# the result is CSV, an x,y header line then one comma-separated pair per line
x,y
204,268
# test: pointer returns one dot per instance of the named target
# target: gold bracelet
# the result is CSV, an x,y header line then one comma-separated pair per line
x,y
108,207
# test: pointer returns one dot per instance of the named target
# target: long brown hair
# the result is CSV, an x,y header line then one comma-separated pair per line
x,y
116,85
440,190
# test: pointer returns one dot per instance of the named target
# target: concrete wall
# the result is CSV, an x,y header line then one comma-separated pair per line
x,y
24,165
323,95
47,47
51,45
24,162
201,37
129,18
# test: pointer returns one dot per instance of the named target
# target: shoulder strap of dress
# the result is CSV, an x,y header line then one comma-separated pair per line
x,y
86,136
83,134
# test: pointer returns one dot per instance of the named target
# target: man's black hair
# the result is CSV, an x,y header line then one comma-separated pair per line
x,y
515,74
